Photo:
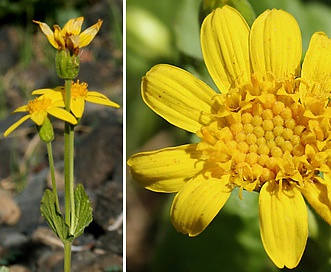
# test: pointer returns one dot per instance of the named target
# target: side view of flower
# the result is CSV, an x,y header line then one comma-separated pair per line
x,y
40,107
79,95
70,36
267,130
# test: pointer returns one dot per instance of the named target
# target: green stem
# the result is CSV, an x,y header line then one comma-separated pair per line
x,y
51,167
68,176
67,256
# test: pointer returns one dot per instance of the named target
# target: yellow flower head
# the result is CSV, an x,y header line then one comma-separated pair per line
x,y
80,94
268,130
40,107
70,36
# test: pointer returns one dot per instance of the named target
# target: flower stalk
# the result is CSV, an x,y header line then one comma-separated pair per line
x,y
52,171
68,172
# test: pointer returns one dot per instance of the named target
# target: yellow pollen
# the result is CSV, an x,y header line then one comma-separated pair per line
x,y
279,140
271,144
267,125
287,146
278,130
79,89
248,128
269,135
295,140
270,101
253,148
39,104
278,107
276,152
252,158
267,114
290,123
278,121
259,132
287,133
257,121
263,149
251,139
246,118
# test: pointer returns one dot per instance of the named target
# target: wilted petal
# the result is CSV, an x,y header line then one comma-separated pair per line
x,y
88,34
48,32
73,26
58,37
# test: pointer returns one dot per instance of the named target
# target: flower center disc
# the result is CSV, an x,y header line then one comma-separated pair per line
x,y
260,133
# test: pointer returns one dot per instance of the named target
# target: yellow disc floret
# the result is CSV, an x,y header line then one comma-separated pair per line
x,y
266,138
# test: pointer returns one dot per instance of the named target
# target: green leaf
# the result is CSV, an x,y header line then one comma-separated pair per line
x,y
54,219
187,29
83,211
4,269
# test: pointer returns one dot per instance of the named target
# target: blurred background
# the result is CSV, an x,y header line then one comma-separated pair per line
x,y
26,64
168,32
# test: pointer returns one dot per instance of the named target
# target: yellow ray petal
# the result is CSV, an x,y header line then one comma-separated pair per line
x,y
196,205
42,91
98,98
88,34
283,224
38,117
275,44
166,170
59,37
16,124
21,109
318,195
73,26
48,32
224,42
77,106
63,115
178,96
316,66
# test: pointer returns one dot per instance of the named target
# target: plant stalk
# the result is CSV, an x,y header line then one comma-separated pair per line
x,y
68,177
51,167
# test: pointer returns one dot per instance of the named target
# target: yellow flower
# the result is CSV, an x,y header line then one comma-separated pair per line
x,y
268,130
80,94
70,37
39,108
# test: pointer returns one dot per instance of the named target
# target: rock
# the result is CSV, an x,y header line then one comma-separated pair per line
x,y
18,268
9,210
100,151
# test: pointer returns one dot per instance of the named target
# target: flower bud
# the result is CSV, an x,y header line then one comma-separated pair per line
x,y
45,131
67,65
